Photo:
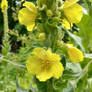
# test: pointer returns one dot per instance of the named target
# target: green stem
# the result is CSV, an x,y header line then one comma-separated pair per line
x,y
6,45
86,5
85,70
49,86
5,24
5,48
11,62
6,78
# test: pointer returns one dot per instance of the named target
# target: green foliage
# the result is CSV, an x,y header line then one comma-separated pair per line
x,y
85,32
18,44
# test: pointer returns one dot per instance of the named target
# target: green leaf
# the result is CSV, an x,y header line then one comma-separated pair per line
x,y
70,87
85,32
72,71
90,85
75,67
42,86
88,56
77,39
82,85
18,89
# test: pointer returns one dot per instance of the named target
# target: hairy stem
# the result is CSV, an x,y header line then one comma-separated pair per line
x,y
6,45
5,48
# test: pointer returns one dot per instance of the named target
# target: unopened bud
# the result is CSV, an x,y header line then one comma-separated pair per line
x,y
49,13
56,19
60,43
4,4
42,36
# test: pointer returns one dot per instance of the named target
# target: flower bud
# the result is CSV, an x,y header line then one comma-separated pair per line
x,y
42,36
60,43
49,13
60,2
4,4
56,19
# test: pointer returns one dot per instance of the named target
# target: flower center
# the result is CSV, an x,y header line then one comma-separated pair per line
x,y
45,64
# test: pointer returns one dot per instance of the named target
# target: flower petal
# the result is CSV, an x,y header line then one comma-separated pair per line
x,y
4,4
74,13
75,55
52,56
30,6
33,65
69,3
27,15
57,70
30,27
44,75
66,24
40,52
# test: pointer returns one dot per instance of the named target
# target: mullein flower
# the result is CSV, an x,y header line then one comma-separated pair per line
x,y
27,15
75,55
73,12
66,24
22,0
4,4
45,64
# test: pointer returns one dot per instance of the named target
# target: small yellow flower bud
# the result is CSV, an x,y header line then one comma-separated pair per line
x,y
42,36
4,4
49,13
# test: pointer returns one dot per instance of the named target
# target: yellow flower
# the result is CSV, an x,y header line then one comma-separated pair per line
x,y
27,15
22,0
66,24
4,4
72,11
75,55
44,64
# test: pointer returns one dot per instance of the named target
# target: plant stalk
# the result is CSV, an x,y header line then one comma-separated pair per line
x,y
49,86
